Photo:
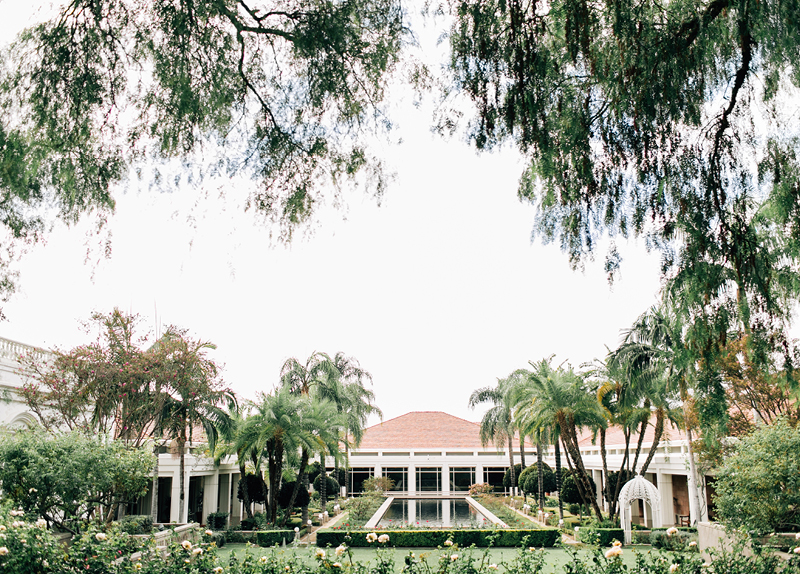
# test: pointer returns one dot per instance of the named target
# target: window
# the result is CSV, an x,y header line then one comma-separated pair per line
x,y
461,478
358,475
400,477
429,479
494,477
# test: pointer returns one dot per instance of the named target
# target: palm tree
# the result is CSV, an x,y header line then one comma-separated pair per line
x,y
656,344
558,401
497,424
272,429
356,402
195,398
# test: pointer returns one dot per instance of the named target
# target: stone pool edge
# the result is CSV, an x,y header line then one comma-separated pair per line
x,y
373,521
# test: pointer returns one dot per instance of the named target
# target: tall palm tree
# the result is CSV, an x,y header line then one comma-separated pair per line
x,y
356,402
194,398
497,424
656,344
273,429
560,402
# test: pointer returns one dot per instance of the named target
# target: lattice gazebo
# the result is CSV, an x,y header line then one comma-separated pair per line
x,y
638,488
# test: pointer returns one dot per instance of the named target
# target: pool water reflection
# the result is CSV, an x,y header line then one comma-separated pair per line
x,y
431,513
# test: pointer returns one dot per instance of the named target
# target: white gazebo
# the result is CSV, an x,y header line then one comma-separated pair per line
x,y
638,488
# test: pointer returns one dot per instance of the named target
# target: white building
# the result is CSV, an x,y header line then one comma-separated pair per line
x,y
423,452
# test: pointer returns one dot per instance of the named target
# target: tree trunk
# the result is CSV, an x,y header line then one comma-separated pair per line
x,y
604,488
296,490
275,464
181,505
571,444
511,461
540,465
558,479
154,497
522,451
323,483
639,444
659,430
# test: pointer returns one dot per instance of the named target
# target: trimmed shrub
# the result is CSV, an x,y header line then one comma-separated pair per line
x,y
529,479
276,537
436,537
217,520
600,536
507,475
136,524
331,485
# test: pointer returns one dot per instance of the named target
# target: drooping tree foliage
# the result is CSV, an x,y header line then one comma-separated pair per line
x,y
671,121
281,92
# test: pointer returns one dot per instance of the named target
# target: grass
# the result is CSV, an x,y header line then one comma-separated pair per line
x,y
555,558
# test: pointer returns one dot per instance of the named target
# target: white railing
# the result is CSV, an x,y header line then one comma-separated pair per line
x,y
10,350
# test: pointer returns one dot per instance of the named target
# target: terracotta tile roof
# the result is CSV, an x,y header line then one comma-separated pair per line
x,y
615,436
425,430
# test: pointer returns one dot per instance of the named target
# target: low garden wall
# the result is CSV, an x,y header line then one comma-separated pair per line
x,y
436,537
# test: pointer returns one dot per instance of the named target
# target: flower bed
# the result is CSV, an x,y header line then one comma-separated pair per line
x,y
437,537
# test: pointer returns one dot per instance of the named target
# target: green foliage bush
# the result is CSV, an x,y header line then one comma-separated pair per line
x,y
254,484
569,488
136,524
602,536
662,539
507,475
64,477
435,537
364,507
758,486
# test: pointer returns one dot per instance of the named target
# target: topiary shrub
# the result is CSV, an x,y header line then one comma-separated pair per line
x,y
217,520
507,475
285,494
529,480
274,537
331,485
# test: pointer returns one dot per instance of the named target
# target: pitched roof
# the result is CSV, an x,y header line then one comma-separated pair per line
x,y
616,437
423,429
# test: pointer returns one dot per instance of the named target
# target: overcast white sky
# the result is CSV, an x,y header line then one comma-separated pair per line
x,y
436,292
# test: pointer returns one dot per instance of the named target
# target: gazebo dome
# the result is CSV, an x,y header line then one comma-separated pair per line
x,y
638,488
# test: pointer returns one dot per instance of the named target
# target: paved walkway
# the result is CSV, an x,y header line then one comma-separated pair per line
x,y
311,538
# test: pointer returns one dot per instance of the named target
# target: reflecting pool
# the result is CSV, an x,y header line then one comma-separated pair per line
x,y
431,513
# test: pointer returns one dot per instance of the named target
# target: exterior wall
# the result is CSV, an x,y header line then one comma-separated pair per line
x,y
13,411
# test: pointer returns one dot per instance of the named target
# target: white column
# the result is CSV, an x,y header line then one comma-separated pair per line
x,y
664,481
479,478
412,483
210,494
378,470
445,480
176,498
597,475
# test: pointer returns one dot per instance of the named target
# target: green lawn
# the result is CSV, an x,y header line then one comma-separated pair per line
x,y
555,558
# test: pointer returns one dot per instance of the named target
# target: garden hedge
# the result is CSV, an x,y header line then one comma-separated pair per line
x,y
434,538
278,536
602,536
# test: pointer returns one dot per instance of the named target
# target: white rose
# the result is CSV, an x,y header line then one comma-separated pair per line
x,y
3,550
218,570
197,551
493,567
448,543
372,537
338,565
453,557
674,568
262,559
320,553
384,538
209,532
340,550
100,536
41,523
672,531
186,544
692,543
